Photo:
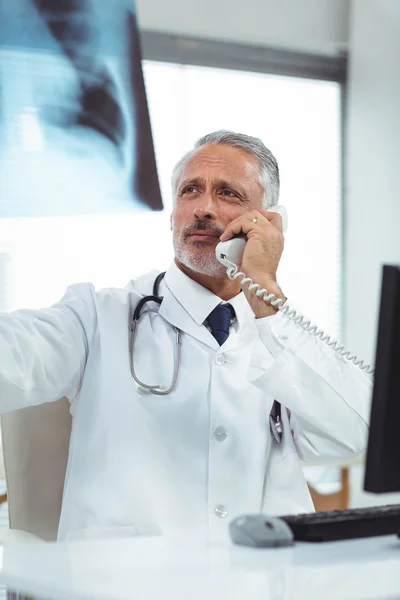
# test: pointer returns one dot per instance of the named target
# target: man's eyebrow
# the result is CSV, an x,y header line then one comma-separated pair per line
x,y
221,183
191,181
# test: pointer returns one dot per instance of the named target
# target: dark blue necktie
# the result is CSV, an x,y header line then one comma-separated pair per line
x,y
219,321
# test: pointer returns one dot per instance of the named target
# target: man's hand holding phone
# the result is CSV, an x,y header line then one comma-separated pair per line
x,y
263,251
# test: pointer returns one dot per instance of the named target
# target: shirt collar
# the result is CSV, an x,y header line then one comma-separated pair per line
x,y
197,300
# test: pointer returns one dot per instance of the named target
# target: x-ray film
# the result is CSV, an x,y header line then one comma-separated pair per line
x,y
75,133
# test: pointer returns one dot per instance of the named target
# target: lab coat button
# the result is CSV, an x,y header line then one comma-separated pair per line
x,y
219,359
221,511
284,337
220,434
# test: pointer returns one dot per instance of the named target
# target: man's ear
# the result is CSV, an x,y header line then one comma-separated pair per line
x,y
170,221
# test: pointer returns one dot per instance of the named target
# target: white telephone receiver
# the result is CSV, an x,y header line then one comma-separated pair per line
x,y
230,254
232,250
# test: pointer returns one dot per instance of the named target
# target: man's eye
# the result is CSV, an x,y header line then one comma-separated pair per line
x,y
190,189
228,193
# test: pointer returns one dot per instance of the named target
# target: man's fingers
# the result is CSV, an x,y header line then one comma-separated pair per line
x,y
250,221
237,226
274,218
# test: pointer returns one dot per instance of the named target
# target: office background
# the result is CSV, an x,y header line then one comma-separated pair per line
x,y
319,84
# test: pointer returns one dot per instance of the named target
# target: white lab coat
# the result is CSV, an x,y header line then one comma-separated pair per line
x,y
145,464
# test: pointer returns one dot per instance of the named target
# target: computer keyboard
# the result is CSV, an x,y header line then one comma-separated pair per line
x,y
345,524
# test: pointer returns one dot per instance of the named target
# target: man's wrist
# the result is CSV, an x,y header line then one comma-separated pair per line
x,y
261,308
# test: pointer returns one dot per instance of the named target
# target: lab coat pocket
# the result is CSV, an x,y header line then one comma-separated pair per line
x,y
258,364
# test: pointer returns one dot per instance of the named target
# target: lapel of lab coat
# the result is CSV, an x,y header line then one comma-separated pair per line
x,y
177,315
187,305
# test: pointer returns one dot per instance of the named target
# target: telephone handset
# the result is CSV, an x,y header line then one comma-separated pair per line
x,y
232,250
230,254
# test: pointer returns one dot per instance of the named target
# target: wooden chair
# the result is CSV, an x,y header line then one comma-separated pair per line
x,y
337,501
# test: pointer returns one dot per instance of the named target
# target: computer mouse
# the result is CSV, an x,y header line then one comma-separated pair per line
x,y
260,531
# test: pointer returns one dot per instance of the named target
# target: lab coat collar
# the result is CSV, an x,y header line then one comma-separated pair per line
x,y
197,300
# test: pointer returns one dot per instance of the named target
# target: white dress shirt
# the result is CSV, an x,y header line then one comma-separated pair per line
x,y
195,459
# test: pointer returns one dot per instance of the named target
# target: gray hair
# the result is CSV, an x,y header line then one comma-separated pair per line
x,y
269,170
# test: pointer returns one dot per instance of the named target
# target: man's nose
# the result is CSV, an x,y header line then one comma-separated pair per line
x,y
205,208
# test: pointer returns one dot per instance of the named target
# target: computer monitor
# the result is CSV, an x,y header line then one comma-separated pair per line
x,y
383,455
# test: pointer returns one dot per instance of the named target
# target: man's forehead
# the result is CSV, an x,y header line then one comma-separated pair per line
x,y
220,159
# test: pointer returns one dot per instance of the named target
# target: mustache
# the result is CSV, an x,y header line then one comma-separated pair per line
x,y
203,226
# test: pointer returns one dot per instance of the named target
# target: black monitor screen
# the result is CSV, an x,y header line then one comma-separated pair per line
x,y
383,455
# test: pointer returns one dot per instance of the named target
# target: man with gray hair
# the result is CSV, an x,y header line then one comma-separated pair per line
x,y
180,441
268,166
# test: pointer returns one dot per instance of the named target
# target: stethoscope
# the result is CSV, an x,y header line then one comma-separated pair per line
x,y
275,416
155,297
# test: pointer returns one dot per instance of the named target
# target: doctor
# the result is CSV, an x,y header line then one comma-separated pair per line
x,y
191,460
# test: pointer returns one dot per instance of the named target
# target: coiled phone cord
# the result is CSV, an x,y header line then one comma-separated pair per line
x,y
234,273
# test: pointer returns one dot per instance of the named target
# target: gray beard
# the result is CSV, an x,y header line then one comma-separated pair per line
x,y
205,264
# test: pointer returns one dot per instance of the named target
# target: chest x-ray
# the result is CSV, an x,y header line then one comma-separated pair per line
x,y
75,133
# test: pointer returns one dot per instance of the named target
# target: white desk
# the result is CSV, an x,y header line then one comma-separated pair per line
x,y
149,568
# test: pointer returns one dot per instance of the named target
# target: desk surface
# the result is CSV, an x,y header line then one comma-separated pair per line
x,y
149,568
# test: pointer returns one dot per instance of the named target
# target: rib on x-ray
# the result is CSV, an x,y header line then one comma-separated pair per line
x,y
75,130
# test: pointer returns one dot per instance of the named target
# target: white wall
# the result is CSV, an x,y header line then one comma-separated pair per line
x,y
372,210
306,25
